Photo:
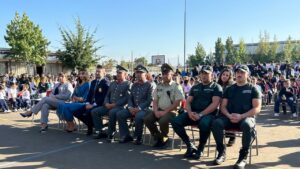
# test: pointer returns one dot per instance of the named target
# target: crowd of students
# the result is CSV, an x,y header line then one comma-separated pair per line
x,y
90,97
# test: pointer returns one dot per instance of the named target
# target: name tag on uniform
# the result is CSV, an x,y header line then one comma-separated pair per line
x,y
100,90
196,90
208,90
121,95
247,91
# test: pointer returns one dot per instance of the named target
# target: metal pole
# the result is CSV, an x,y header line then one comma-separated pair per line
x,y
184,42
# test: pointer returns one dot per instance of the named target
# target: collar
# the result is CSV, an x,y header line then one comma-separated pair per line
x,y
169,84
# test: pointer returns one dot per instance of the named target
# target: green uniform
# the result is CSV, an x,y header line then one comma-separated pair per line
x,y
241,94
202,98
239,101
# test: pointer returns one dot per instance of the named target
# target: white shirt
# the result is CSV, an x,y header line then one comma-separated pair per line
x,y
12,93
26,95
2,94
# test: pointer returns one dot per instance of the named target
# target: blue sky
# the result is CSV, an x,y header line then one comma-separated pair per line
x,y
150,27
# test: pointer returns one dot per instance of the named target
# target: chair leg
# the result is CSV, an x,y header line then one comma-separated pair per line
x,y
173,140
208,146
144,135
180,145
250,155
193,134
256,146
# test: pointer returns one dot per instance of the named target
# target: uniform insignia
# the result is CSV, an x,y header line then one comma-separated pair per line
x,y
247,91
100,90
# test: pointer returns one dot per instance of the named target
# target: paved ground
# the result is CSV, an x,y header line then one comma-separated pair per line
x,y
22,146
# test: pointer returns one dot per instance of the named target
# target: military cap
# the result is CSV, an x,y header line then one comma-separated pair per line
x,y
166,67
141,68
243,68
120,68
207,69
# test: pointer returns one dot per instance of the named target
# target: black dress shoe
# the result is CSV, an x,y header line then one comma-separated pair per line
x,y
26,114
138,141
89,132
126,139
197,155
100,135
44,129
157,142
190,151
110,137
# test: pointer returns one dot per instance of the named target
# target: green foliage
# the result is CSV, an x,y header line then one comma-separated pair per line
x,y
209,59
126,64
141,61
198,57
273,55
80,47
110,64
219,51
262,52
26,41
296,51
242,56
230,52
288,48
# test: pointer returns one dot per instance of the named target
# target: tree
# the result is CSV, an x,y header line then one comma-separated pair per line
x,y
110,64
141,61
210,59
241,53
263,48
198,57
287,51
26,41
296,51
80,47
273,55
219,50
126,64
230,51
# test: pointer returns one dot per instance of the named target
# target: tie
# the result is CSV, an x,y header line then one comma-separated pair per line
x,y
56,89
95,88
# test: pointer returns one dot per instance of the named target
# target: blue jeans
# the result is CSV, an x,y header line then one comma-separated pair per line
x,y
3,104
290,102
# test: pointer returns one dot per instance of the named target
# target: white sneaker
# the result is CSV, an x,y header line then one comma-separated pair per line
x,y
294,114
5,111
276,114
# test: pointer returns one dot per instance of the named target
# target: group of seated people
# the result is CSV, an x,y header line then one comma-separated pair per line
x,y
150,103
19,95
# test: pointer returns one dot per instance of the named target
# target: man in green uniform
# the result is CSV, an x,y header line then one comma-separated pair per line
x,y
240,103
167,97
202,103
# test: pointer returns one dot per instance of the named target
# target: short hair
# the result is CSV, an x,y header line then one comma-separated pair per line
x,y
100,67
62,74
